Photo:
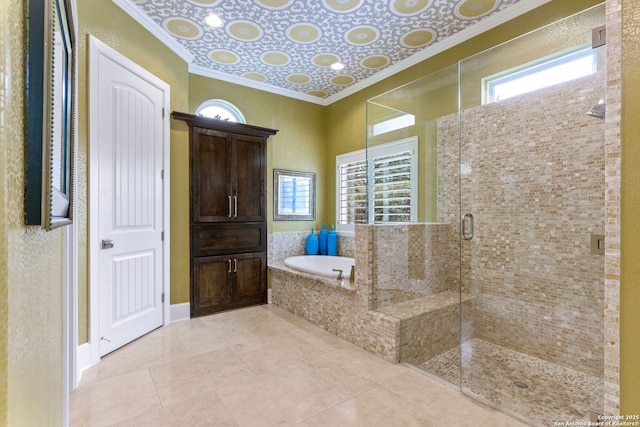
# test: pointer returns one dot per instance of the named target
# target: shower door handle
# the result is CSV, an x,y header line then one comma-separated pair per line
x,y
463,226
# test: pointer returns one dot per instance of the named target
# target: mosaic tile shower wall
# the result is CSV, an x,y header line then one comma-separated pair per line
x,y
533,177
412,261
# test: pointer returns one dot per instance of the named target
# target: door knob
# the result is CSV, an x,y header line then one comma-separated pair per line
x,y
107,244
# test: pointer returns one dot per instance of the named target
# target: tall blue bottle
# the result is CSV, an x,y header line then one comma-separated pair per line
x,y
311,244
322,240
332,242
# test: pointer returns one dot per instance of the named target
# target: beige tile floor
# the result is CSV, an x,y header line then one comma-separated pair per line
x,y
262,366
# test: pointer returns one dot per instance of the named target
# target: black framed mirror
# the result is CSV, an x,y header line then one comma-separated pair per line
x,y
50,129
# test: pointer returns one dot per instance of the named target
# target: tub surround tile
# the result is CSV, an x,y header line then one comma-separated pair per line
x,y
343,312
283,244
286,244
329,282
413,292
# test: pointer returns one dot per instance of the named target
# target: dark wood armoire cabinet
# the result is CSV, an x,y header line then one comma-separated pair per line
x,y
228,225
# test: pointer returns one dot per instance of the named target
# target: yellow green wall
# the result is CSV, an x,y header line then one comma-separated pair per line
x,y
630,206
30,260
5,65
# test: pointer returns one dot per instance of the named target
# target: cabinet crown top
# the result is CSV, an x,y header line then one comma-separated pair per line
x,y
210,123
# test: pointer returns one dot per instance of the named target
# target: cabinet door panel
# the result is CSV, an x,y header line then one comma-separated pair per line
x,y
228,238
211,283
210,176
250,276
250,178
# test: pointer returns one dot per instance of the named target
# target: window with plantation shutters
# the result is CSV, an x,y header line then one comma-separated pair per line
x,y
351,178
392,179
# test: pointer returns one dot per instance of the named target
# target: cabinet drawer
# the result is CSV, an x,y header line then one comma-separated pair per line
x,y
219,239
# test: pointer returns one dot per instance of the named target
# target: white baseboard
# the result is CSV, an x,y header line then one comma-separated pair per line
x,y
83,361
180,312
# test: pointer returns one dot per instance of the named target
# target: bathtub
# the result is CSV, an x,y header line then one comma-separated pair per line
x,y
321,264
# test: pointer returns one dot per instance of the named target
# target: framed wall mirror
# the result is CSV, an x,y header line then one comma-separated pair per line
x,y
294,195
50,94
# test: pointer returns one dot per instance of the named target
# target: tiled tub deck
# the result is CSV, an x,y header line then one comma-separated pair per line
x,y
336,306
412,331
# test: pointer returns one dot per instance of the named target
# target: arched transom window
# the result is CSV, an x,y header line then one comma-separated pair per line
x,y
220,109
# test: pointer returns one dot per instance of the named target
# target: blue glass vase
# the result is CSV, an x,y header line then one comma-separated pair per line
x,y
322,240
311,244
332,242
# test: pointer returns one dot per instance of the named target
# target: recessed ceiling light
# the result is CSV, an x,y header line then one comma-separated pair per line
x,y
337,66
213,20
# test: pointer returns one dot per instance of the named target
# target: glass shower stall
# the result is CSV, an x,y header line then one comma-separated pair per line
x,y
501,291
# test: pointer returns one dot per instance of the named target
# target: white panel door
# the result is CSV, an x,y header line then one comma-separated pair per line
x,y
130,205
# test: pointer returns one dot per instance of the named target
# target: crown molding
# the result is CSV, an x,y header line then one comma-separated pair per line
x,y
154,28
242,81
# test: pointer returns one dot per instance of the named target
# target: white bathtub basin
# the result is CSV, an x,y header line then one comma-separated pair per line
x,y
322,265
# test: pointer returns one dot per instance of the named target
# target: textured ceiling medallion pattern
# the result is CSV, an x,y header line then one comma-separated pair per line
x,y
291,44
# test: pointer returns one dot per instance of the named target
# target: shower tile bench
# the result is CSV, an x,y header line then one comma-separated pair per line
x,y
430,325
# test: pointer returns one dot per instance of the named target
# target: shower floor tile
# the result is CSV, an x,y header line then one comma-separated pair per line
x,y
553,393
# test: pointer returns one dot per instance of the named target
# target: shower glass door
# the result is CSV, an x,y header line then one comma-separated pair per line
x,y
415,257
531,215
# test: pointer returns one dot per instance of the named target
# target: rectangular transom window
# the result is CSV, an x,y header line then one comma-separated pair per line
x,y
391,174
548,73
